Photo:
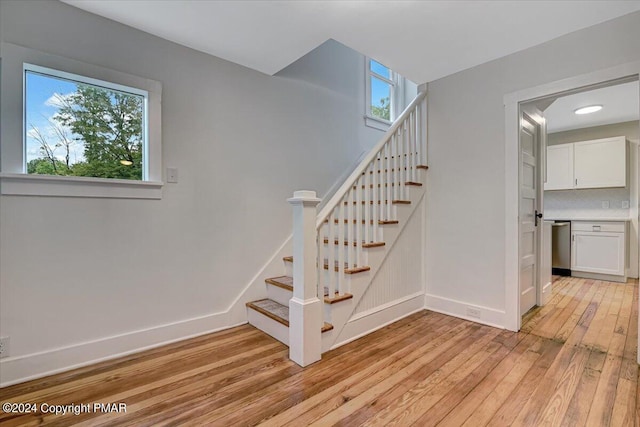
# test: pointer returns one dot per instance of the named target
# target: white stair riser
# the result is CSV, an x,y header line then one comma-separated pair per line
x,y
279,295
269,326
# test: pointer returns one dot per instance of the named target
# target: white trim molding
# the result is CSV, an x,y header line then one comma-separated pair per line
x,y
18,184
485,315
14,370
512,102
15,60
370,321
18,369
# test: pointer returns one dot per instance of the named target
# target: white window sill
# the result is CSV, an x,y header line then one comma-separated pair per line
x,y
17,184
377,123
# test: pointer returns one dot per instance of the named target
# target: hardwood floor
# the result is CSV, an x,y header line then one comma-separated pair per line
x,y
573,364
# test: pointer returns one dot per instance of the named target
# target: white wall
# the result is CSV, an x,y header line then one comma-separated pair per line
x,y
77,272
466,180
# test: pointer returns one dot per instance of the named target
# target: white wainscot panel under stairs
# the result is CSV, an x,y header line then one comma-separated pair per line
x,y
397,290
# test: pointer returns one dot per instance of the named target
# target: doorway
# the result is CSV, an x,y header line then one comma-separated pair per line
x,y
515,104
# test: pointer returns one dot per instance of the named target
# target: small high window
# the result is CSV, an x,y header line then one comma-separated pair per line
x,y
381,91
384,95
79,126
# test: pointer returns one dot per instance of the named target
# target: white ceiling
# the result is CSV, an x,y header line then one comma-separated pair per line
x,y
422,40
620,103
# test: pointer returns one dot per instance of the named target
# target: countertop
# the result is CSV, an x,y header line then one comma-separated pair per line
x,y
569,218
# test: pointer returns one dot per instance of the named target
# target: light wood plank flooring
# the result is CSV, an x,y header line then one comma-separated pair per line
x,y
573,364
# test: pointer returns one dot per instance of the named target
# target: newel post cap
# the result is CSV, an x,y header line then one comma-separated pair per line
x,y
305,197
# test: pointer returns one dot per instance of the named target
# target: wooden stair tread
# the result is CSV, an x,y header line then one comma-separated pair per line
x,y
284,282
336,298
411,153
394,169
413,183
355,221
271,309
326,327
347,270
364,244
277,312
393,202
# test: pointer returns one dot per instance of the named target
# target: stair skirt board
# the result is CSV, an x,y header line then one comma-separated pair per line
x,y
370,321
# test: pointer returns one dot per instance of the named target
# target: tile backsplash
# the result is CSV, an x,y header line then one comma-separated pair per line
x,y
586,203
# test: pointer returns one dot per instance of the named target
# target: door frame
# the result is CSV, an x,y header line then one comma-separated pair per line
x,y
512,102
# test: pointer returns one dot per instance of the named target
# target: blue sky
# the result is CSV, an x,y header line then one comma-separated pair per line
x,y
379,89
40,108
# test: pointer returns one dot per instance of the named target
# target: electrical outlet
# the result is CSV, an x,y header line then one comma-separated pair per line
x,y
473,312
4,347
625,204
605,204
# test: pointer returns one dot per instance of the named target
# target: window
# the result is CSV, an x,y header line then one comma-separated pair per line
x,y
76,126
73,129
384,92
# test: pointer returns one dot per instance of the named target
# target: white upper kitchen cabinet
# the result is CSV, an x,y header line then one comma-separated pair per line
x,y
599,163
559,167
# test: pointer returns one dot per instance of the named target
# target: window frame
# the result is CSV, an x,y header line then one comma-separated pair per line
x,y
395,83
76,78
14,179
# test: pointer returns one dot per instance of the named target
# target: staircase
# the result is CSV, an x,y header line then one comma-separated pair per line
x,y
338,251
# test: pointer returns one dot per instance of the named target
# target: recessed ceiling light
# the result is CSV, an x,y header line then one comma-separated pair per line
x,y
588,109
126,162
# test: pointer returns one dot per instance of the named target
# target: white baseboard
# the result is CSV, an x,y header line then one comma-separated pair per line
x,y
488,316
598,276
367,322
19,369
546,293
27,367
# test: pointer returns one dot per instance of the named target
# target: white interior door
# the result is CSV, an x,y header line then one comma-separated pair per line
x,y
530,219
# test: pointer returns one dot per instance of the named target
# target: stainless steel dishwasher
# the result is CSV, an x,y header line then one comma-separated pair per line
x,y
561,248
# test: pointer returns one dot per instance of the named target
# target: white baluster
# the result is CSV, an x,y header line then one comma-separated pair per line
x,y
340,246
387,178
367,203
322,232
401,155
374,192
424,159
358,220
331,283
350,217
396,176
414,148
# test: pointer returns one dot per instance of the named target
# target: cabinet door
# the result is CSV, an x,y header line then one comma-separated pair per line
x,y
559,167
600,163
598,252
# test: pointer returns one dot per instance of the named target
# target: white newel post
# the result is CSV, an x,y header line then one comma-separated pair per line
x,y
305,309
